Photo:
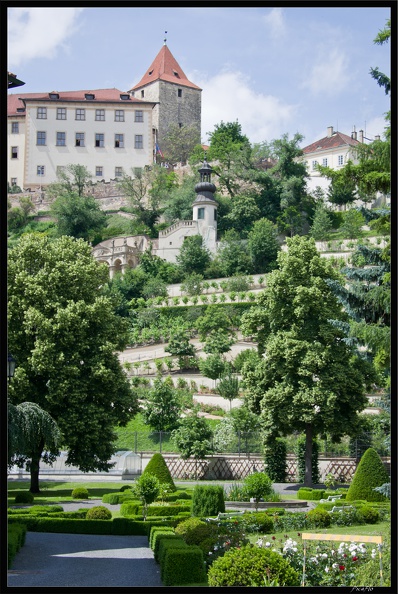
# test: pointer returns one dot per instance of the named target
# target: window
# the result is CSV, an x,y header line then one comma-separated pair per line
x,y
215,214
40,170
42,113
13,181
99,171
179,93
41,138
201,213
138,141
53,96
124,97
79,139
142,94
99,140
119,140
100,115
180,124
340,160
89,96
61,139
14,152
80,114
119,115
61,113
15,128
139,115
325,162
314,165
118,171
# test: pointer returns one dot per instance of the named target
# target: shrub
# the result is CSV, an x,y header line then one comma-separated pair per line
x,y
160,537
258,485
319,518
311,494
369,514
207,500
250,566
370,473
24,497
99,512
16,540
194,531
80,493
258,522
183,566
158,530
130,508
169,543
125,487
112,498
167,510
158,467
275,460
115,498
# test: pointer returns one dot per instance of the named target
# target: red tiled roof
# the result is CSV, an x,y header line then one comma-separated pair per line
x,y
165,67
330,142
101,95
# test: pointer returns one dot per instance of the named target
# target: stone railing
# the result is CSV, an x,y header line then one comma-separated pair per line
x,y
175,226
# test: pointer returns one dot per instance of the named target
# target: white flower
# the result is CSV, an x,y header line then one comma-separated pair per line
x,y
267,544
324,555
335,565
327,569
373,553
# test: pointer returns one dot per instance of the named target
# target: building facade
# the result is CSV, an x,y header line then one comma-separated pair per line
x,y
106,130
177,99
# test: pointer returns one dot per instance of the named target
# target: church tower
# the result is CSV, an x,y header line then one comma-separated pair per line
x,y
205,208
178,100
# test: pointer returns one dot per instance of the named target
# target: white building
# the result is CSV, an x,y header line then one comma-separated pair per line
x,y
121,253
106,130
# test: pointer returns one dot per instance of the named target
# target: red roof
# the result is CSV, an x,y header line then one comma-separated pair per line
x,y
330,142
165,67
101,95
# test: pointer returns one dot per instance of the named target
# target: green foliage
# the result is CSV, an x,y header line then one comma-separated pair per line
x,y
158,467
130,508
369,514
162,540
213,366
193,531
183,566
99,512
263,245
353,221
158,530
258,486
321,224
275,460
193,256
16,539
309,494
259,522
370,473
162,408
249,566
78,216
80,493
147,488
24,497
207,500
319,518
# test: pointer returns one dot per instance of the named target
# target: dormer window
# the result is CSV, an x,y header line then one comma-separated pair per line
x,y
125,97
54,95
20,109
150,72
89,96
176,73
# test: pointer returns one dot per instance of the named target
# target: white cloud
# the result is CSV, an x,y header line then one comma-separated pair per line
x,y
275,23
228,97
329,74
38,32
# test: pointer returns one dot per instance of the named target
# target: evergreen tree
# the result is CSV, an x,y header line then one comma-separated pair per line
x,y
321,224
162,408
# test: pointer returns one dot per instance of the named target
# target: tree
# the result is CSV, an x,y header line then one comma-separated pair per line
x,y
321,224
352,224
192,284
178,203
72,179
244,212
228,387
65,336
257,485
193,256
215,319
180,346
31,431
308,379
212,367
369,474
162,408
218,342
157,467
263,245
233,255
77,215
381,38
147,488
144,205
193,438
179,142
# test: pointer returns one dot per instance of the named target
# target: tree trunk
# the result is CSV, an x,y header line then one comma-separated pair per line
x,y
308,456
34,474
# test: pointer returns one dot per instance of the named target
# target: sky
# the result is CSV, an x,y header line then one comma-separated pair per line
x,y
276,69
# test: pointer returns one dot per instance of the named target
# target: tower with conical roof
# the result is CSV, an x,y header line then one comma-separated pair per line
x,y
178,100
205,207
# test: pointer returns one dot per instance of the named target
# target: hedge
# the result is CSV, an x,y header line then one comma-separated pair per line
x,y
158,529
132,509
115,498
159,538
183,566
16,540
310,494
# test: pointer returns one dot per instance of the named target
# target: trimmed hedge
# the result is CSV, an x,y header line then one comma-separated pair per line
x,y
165,545
309,494
158,529
161,537
132,509
184,565
115,498
16,540
24,497
370,473
80,493
158,467
207,500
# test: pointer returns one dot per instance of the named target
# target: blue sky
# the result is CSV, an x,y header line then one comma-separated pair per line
x,y
276,69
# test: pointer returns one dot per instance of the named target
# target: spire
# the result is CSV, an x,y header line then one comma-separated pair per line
x,y
165,39
205,188
165,67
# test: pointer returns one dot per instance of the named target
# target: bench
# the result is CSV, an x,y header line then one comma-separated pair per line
x,y
341,508
225,516
330,499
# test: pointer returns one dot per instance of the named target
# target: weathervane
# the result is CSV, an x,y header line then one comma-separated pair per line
x,y
165,37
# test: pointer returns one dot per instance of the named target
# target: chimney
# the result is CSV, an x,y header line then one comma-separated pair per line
x,y
330,131
353,133
360,136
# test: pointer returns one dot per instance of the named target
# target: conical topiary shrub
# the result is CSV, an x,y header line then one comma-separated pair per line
x,y
370,473
158,467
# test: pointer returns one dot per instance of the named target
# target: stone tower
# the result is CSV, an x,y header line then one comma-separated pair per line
x,y
178,99
205,208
